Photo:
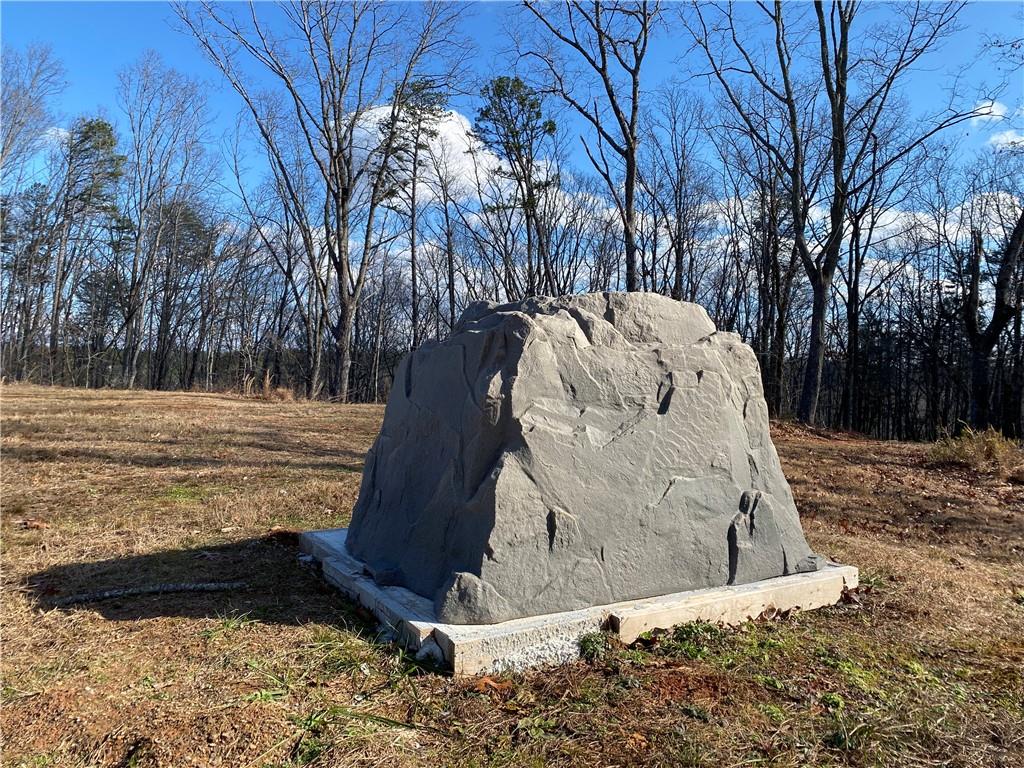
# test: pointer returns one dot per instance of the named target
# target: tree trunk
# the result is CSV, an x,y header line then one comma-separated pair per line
x,y
980,385
808,408
343,349
629,222
450,253
412,252
778,360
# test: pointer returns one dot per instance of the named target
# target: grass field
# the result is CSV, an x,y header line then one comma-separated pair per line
x,y
107,489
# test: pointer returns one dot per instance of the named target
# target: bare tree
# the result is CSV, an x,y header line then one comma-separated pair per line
x,y
1002,269
336,62
869,209
859,76
165,121
754,212
278,212
609,42
448,189
31,80
679,183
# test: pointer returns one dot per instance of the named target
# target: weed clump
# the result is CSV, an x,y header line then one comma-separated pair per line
x,y
980,450
278,395
694,640
594,646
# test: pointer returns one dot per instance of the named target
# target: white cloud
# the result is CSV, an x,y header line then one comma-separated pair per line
x,y
988,111
55,136
991,114
453,151
459,154
1011,138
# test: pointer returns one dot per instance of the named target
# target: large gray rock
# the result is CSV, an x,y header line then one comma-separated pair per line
x,y
562,453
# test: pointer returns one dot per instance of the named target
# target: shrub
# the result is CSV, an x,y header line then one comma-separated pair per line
x,y
268,391
280,395
594,646
980,450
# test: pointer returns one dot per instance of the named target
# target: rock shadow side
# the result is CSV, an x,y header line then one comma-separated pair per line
x,y
556,454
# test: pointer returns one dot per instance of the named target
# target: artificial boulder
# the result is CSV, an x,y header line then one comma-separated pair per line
x,y
556,454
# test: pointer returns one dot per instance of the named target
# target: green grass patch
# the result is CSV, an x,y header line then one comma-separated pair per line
x,y
332,653
183,493
833,702
696,640
228,625
774,713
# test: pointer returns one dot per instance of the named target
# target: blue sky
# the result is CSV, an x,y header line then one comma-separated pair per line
x,y
97,39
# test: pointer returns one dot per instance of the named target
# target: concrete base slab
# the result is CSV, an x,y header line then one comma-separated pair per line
x,y
554,638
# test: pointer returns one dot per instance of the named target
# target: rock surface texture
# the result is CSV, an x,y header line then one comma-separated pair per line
x,y
556,454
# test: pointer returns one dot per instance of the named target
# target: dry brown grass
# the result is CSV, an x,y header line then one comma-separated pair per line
x,y
985,450
118,489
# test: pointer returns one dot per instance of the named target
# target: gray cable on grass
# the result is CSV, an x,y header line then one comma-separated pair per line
x,y
154,589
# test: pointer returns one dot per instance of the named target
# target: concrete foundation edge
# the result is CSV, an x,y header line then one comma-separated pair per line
x,y
554,638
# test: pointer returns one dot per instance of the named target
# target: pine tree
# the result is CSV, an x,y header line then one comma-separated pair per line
x,y
423,105
512,124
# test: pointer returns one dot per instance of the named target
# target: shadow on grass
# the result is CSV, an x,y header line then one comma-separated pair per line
x,y
39,454
275,587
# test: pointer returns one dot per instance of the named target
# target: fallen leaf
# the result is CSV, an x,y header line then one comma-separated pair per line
x,y
488,683
636,741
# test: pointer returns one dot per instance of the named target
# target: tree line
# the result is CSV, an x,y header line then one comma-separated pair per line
x,y
781,181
